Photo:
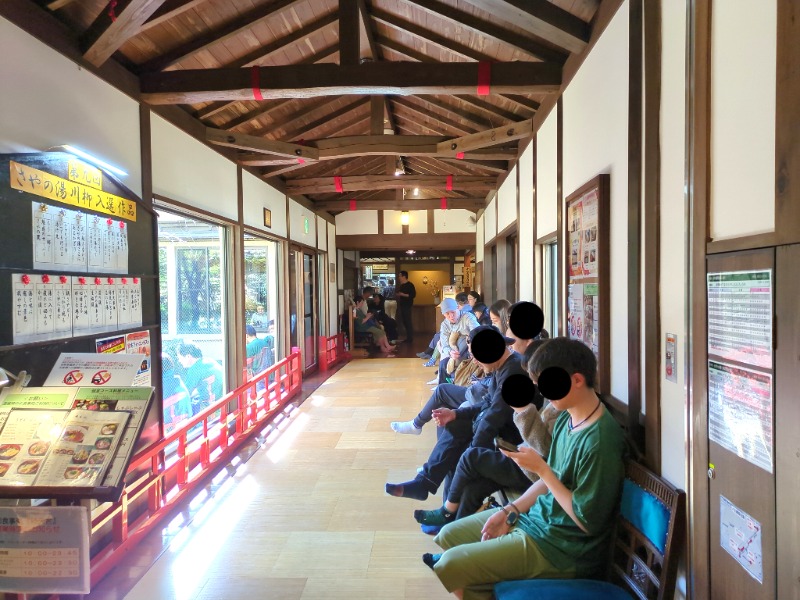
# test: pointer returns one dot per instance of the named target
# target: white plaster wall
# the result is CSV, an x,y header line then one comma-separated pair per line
x,y
322,237
490,221
673,229
418,221
357,222
258,195
596,141
546,176
453,221
507,201
525,227
480,237
333,286
186,171
391,222
297,216
46,100
743,55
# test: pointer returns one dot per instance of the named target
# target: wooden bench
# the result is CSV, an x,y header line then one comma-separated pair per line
x,y
648,537
357,339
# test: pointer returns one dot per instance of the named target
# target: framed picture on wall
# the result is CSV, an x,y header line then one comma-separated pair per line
x,y
586,235
267,218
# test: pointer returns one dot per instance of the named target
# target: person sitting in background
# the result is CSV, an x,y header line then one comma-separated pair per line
x,y
177,402
463,305
481,313
259,319
364,322
376,307
204,377
474,298
498,314
454,332
258,354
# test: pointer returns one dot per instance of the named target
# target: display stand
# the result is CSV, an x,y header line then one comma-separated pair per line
x,y
70,279
586,241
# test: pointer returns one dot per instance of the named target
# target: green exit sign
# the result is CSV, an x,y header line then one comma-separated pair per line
x,y
305,225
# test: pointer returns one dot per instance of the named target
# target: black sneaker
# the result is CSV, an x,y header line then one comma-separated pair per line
x,y
437,516
431,559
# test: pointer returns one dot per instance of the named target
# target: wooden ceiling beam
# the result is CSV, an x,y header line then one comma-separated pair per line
x,y
492,166
301,113
524,102
541,18
498,135
220,137
494,111
349,33
419,110
282,170
388,196
387,182
231,29
216,107
471,204
330,118
487,29
192,86
113,27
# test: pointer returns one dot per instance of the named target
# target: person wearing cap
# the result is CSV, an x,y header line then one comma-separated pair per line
x,y
460,428
456,325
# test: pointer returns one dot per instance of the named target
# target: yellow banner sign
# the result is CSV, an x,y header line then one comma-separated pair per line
x,y
80,172
49,186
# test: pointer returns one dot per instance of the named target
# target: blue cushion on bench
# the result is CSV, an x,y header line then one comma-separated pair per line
x,y
559,589
646,513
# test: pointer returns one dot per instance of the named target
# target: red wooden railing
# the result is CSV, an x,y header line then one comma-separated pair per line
x,y
331,351
168,482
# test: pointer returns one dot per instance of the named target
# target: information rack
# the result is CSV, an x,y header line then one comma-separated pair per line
x,y
78,264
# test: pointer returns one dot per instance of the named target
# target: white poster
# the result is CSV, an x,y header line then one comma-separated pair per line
x,y
740,536
88,370
44,222
23,306
80,306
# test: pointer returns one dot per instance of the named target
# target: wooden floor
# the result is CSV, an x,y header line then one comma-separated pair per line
x,y
306,517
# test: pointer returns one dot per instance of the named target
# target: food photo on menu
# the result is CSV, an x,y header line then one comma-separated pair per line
x,y
58,447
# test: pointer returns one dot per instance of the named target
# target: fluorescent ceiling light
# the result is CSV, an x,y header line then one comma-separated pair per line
x,y
94,160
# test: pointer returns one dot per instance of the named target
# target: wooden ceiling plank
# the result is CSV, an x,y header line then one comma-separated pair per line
x,y
493,110
193,86
274,172
231,29
220,137
169,10
492,166
474,204
498,135
260,54
486,29
405,103
216,107
113,27
404,50
261,160
57,4
349,33
522,101
330,118
387,182
439,106
297,115
541,18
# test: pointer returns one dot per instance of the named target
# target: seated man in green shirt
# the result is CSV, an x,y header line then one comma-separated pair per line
x,y
561,527
259,353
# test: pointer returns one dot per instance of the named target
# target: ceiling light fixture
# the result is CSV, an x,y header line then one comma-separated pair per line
x,y
411,251
94,160
404,218
416,191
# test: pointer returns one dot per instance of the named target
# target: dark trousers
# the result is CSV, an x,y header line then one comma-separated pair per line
x,y
389,326
404,317
451,442
481,472
446,395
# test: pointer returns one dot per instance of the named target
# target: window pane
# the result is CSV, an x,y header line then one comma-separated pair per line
x,y
192,307
261,304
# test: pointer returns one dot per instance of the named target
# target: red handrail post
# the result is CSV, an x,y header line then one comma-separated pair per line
x,y
120,523
323,353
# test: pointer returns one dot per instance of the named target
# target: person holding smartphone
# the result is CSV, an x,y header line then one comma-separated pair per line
x,y
561,527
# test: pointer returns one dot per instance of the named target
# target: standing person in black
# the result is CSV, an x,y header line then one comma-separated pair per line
x,y
405,294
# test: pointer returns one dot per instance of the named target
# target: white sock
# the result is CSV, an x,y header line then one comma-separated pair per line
x,y
406,427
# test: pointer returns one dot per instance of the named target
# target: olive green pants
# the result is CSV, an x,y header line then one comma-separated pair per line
x,y
474,566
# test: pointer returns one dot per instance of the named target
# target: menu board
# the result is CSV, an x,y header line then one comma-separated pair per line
x,y
46,448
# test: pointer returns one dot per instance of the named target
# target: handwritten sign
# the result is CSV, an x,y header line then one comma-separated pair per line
x,y
52,187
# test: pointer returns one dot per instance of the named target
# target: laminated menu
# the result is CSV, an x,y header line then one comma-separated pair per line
x,y
59,448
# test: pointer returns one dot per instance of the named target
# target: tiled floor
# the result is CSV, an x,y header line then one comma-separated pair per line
x,y
306,516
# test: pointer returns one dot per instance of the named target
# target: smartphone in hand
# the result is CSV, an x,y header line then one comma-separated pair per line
x,y
501,444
